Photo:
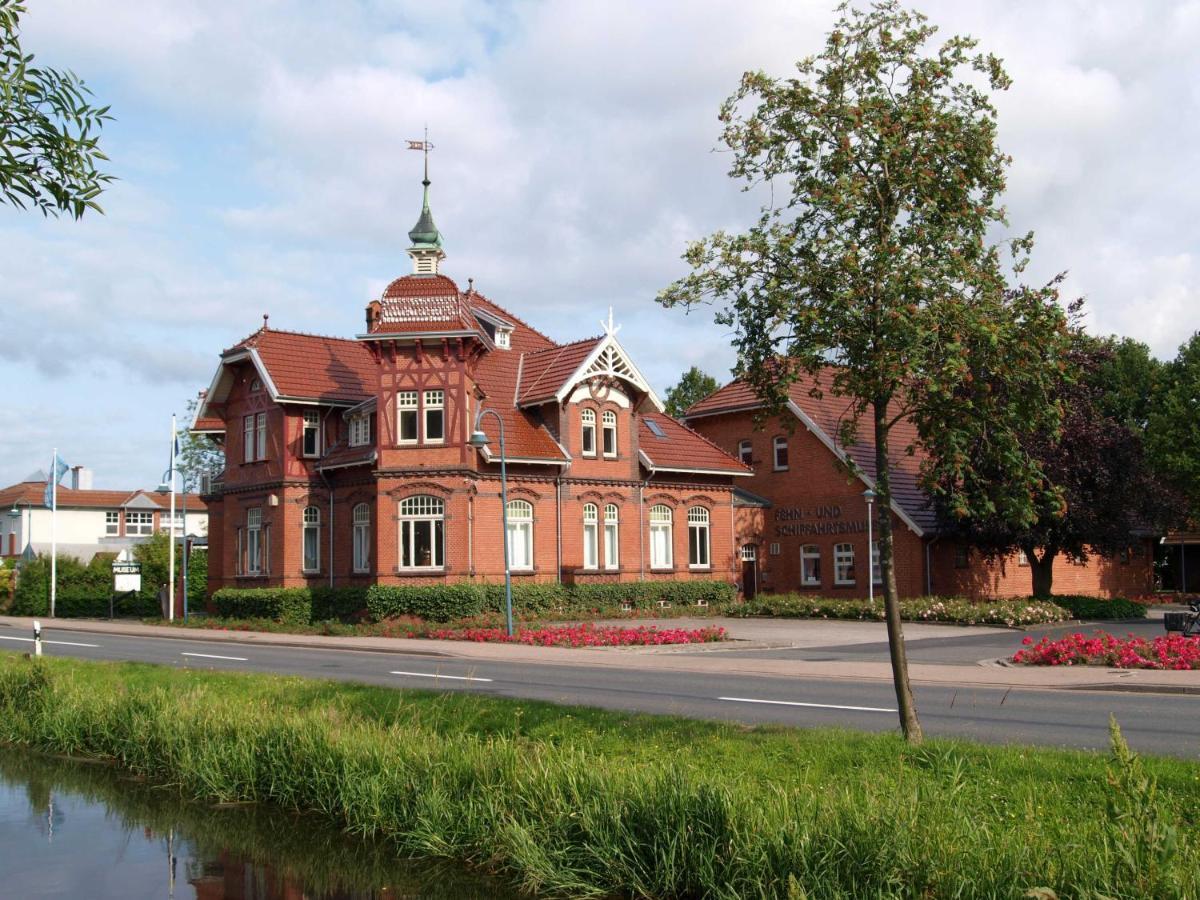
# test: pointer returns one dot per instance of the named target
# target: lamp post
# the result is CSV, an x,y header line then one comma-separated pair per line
x,y
869,495
166,486
17,515
479,440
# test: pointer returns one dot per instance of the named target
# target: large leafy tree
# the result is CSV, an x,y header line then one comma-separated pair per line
x,y
871,264
692,387
1104,491
49,131
1129,379
1173,435
198,454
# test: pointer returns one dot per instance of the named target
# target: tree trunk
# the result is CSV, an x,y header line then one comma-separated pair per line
x,y
1042,571
891,600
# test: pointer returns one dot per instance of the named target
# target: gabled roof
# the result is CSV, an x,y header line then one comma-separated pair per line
x,y
824,415
670,446
32,493
554,372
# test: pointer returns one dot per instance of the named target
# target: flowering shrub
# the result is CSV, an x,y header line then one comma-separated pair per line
x,y
956,610
1172,651
586,635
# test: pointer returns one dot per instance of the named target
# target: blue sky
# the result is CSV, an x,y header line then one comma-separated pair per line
x,y
260,152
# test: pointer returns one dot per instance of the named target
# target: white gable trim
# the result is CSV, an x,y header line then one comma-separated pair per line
x,y
603,360
841,454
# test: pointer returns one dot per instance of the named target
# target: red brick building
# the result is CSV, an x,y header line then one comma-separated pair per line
x,y
348,462
808,530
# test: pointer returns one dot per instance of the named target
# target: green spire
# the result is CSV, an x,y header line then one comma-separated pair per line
x,y
425,234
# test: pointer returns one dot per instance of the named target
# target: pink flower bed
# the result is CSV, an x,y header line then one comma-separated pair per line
x,y
586,635
1171,651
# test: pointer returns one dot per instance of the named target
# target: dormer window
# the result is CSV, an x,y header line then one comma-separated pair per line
x,y
312,434
255,384
504,338
360,431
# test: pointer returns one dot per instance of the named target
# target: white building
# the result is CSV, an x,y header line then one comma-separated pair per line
x,y
90,521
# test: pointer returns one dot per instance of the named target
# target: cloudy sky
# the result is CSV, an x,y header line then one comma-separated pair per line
x,y
260,147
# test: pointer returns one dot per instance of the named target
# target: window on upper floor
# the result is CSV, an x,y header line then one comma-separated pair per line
x,y
406,416
360,430
312,433
609,422
780,446
139,522
503,338
435,417
261,429
588,435
746,452
112,522
248,438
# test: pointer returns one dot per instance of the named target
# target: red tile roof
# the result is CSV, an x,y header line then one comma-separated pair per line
x,y
343,455
315,367
420,304
828,412
32,492
681,448
544,371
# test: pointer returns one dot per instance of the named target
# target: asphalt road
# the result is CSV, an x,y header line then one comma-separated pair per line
x,y
1157,723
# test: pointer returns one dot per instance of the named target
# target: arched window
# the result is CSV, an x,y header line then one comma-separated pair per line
x,y
588,438
361,518
520,534
312,540
612,541
422,543
698,543
609,420
591,523
660,537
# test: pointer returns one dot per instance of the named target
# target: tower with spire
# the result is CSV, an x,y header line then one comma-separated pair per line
x,y
426,250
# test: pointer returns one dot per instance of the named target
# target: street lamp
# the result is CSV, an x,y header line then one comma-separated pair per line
x,y
166,486
479,440
16,514
869,495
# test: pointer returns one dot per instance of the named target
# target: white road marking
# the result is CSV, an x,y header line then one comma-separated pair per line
x,y
812,705
214,656
5,637
435,675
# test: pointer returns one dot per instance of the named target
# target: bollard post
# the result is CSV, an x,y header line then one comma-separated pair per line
x,y
37,638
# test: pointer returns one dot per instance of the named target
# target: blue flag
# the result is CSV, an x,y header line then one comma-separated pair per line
x,y
59,469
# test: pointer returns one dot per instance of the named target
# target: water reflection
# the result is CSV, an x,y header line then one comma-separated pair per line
x,y
69,829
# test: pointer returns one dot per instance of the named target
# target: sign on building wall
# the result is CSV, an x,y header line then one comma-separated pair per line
x,y
793,521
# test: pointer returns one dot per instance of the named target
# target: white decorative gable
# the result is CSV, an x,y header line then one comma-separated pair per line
x,y
610,360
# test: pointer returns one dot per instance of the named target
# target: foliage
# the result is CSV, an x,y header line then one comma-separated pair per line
x,y
288,606
1081,607
1102,490
874,270
1129,380
7,585
692,387
84,591
1173,436
1169,651
49,131
571,801
955,610
198,455
197,586
585,635
342,604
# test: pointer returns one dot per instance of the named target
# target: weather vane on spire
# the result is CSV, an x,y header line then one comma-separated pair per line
x,y
423,146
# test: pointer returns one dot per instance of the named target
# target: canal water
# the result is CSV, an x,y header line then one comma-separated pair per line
x,y
81,830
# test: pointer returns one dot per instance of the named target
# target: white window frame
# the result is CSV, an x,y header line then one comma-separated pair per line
x,y
587,432
608,423
810,553
310,425
662,539
434,402
843,564
360,518
310,528
780,442
254,529
699,538
591,538
746,452
504,338
360,430
112,522
612,537
406,408
139,522
248,438
519,514
876,567
421,509
261,431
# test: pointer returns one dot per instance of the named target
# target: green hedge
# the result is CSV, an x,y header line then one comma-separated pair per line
x,y
292,606
956,610
83,590
1096,608
344,603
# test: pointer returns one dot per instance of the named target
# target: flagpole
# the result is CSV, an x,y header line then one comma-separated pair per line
x,y
53,530
171,557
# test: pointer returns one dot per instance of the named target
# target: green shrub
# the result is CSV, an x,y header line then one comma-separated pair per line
x,y
343,604
83,591
956,610
290,606
433,602
1096,608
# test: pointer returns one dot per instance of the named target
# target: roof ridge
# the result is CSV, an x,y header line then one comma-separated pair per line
x,y
693,431
486,299
256,335
568,345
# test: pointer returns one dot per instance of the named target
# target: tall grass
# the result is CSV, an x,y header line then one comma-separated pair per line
x,y
578,802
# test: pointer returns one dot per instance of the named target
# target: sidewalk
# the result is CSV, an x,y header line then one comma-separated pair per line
x,y
661,659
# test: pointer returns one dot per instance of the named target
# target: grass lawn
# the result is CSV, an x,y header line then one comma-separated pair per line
x,y
577,801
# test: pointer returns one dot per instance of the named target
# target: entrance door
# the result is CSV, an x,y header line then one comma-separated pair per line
x,y
749,571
